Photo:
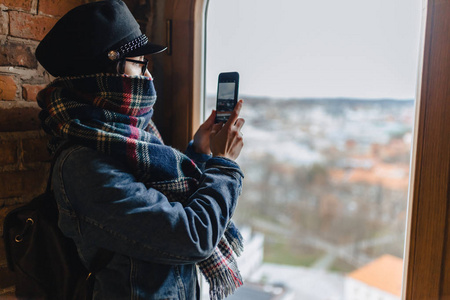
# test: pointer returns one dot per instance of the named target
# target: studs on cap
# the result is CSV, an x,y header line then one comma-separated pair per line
x,y
128,47
113,55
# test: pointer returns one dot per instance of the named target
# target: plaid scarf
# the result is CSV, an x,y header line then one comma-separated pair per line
x,y
112,114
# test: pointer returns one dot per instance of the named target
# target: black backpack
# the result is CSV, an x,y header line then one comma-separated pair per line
x,y
45,262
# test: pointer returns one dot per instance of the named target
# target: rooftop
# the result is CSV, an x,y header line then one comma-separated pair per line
x,y
384,273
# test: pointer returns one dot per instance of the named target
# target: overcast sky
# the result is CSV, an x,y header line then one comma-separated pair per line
x,y
318,48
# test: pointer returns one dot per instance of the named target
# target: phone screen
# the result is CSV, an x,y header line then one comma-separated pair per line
x,y
226,96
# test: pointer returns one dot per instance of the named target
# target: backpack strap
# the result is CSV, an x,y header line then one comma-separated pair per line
x,y
101,260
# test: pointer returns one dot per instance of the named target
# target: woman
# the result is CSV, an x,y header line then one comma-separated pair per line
x,y
163,214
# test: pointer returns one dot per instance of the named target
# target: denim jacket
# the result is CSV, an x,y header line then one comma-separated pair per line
x,y
156,242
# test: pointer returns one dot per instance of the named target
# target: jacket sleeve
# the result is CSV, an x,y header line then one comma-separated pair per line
x,y
199,158
119,213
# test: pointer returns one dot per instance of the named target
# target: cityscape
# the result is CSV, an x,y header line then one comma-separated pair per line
x,y
324,197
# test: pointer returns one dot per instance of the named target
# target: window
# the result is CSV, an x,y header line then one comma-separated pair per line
x,y
329,114
428,255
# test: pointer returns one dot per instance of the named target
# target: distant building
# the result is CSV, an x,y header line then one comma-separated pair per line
x,y
300,283
252,257
379,280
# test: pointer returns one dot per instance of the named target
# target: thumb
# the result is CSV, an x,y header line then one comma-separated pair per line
x,y
210,121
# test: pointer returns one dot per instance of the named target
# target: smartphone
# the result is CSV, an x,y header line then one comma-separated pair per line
x,y
227,95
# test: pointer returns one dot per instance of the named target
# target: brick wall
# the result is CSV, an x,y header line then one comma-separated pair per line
x,y
24,161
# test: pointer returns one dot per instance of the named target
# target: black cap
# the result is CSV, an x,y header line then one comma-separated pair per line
x,y
90,36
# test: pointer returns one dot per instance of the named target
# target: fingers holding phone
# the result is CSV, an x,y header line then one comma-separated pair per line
x,y
226,139
201,137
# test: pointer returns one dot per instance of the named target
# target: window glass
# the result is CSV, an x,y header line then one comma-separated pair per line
x,y
329,92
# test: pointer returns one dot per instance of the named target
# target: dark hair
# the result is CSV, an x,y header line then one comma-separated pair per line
x,y
112,67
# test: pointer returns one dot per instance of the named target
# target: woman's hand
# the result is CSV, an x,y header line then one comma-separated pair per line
x,y
226,140
201,137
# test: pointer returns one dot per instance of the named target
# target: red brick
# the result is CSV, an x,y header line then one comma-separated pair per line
x,y
19,117
8,152
4,21
29,26
8,294
58,7
9,202
17,54
35,150
30,91
18,4
2,249
8,88
25,184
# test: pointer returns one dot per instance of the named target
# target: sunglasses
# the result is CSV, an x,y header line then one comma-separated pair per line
x,y
144,64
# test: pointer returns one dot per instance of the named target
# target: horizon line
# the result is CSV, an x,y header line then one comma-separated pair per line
x,y
321,98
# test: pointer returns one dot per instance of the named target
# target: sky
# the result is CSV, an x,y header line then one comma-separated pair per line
x,y
318,48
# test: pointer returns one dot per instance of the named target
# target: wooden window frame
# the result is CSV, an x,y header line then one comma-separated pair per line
x,y
427,255
178,72
427,249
